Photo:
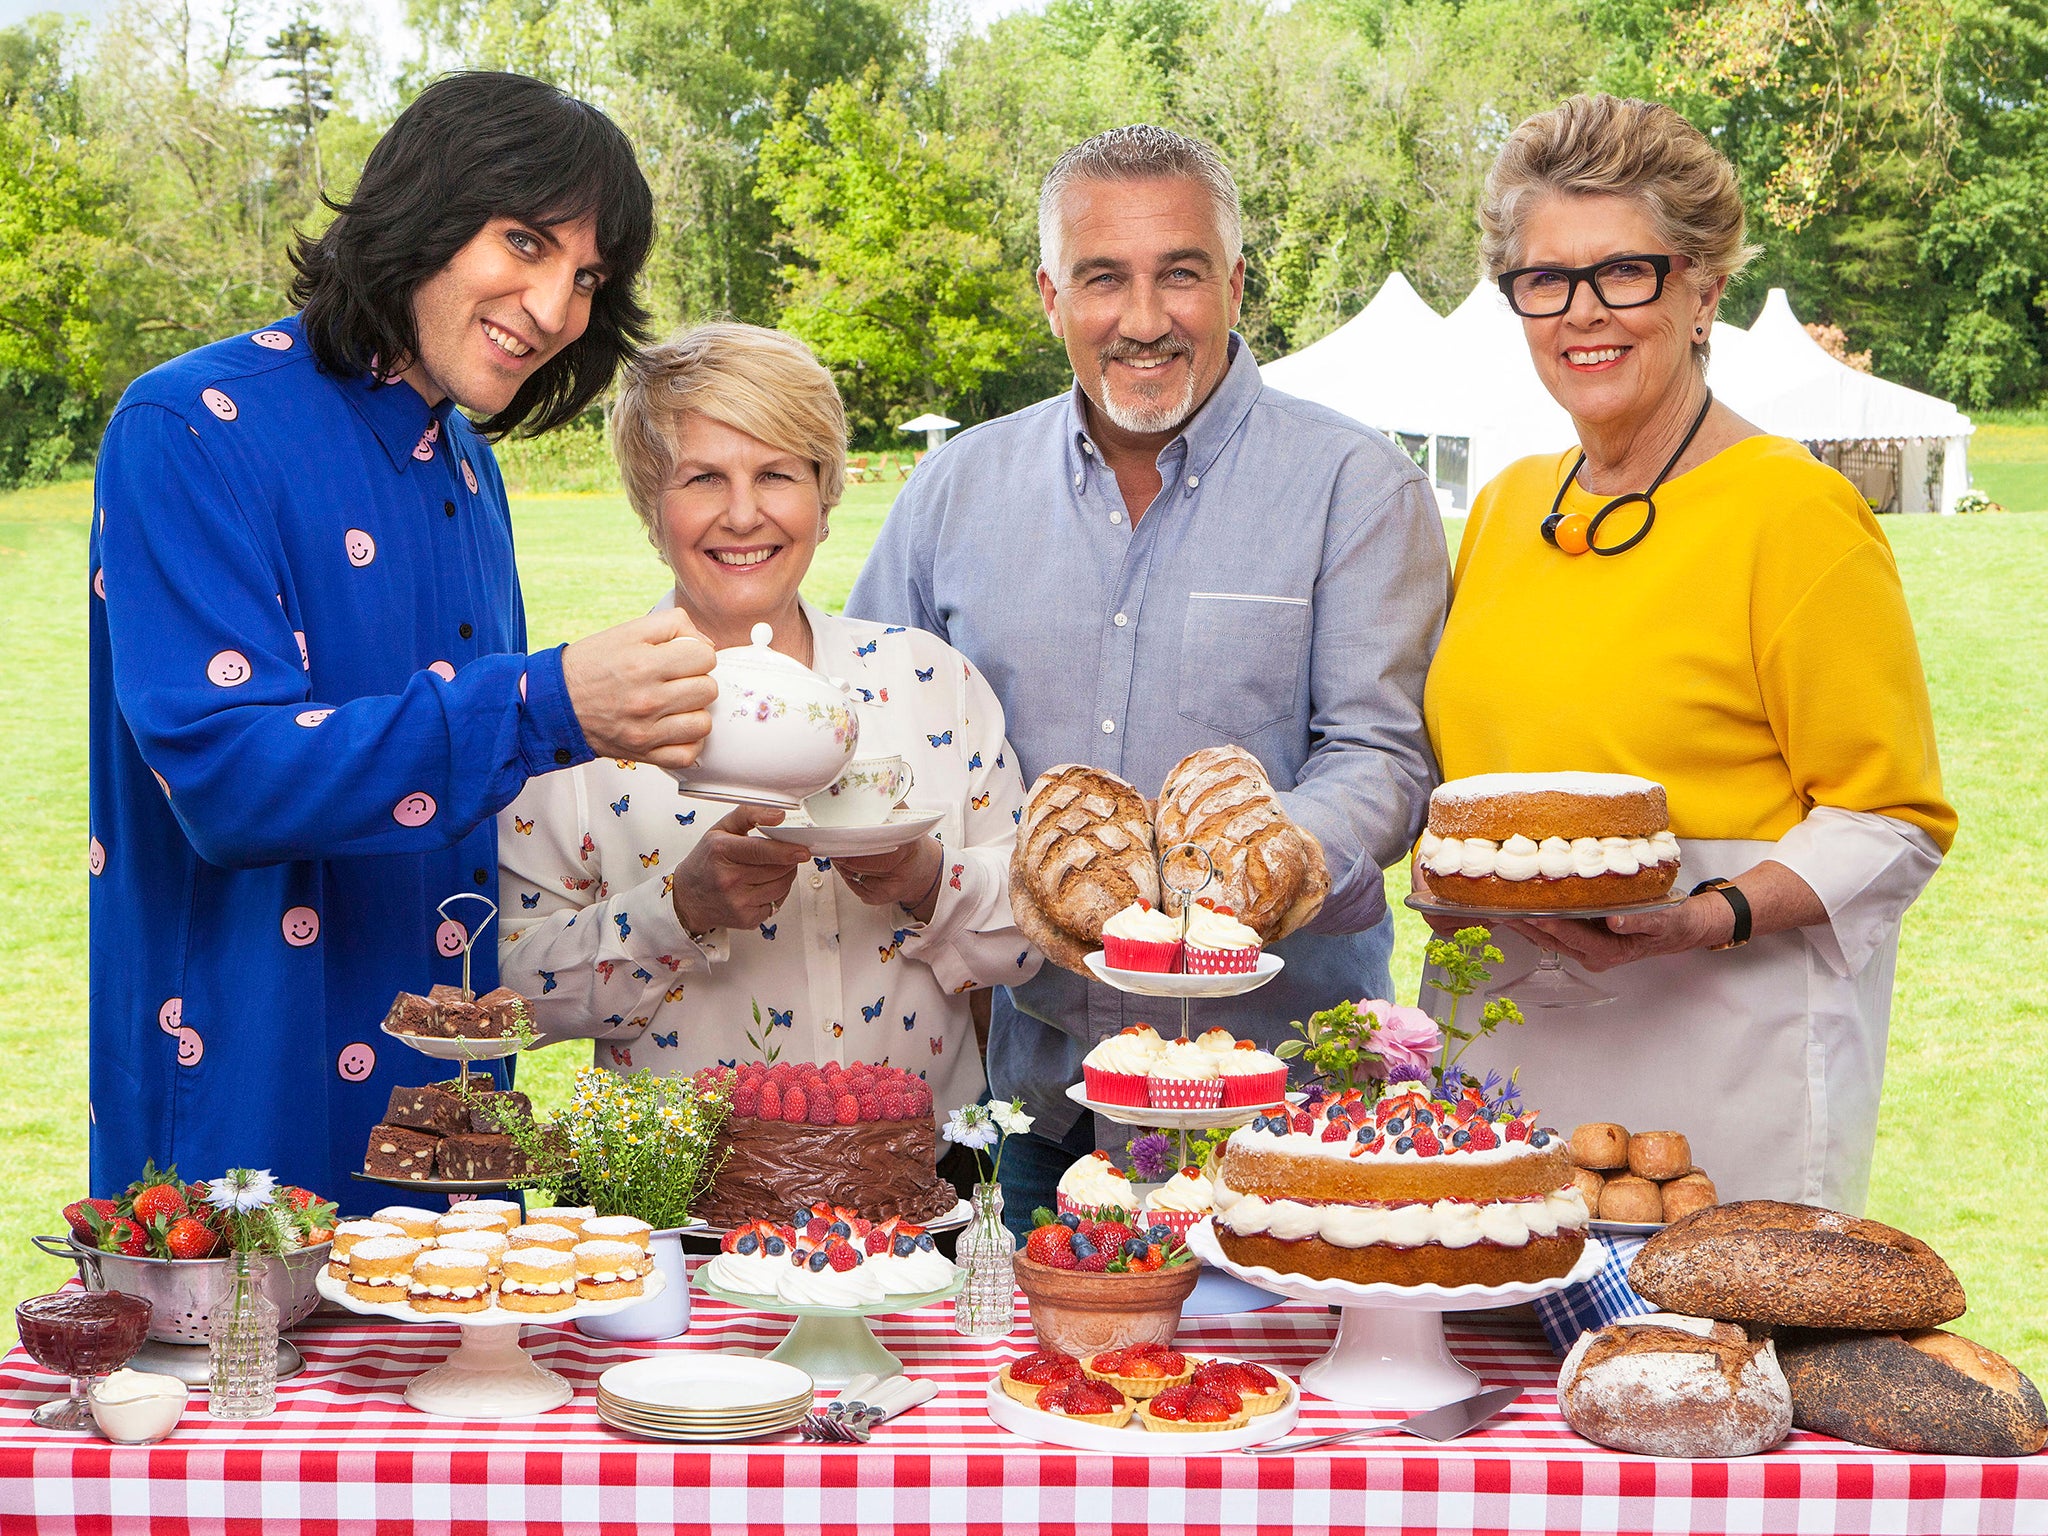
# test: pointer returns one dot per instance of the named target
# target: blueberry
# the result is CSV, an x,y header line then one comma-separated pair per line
x,y
1424,1117
1396,1126
1277,1126
924,1241
1135,1248
1070,1221
1365,1133
1405,1144
818,1261
747,1244
801,1219
1258,1122
1159,1234
775,1246
904,1246
1461,1138
839,1229
1083,1249
1539,1138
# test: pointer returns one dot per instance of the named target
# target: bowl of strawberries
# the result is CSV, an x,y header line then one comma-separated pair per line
x,y
161,1239
1103,1280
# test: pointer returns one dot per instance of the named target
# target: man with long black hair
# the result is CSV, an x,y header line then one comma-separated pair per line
x,y
311,691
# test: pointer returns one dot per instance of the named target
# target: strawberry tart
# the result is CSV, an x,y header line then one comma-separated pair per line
x,y
1410,1190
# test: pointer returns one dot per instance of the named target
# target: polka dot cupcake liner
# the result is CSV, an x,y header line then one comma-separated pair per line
x,y
1222,962
1184,1093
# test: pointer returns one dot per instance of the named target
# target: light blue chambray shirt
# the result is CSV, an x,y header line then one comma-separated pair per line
x,y
1284,591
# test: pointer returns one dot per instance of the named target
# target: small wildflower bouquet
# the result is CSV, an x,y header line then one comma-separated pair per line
x,y
978,1127
249,1214
642,1144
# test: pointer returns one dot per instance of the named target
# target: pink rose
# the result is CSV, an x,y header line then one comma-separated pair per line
x,y
1406,1036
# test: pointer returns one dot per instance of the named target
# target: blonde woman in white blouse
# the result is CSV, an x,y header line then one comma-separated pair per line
x,y
650,922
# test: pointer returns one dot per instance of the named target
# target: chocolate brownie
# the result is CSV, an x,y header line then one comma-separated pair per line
x,y
411,1014
487,1106
505,1009
400,1152
431,1109
476,1156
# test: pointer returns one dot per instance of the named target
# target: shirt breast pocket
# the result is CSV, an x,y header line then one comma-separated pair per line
x,y
1240,660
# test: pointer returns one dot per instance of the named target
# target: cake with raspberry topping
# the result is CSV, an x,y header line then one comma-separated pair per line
x,y
1410,1190
806,1133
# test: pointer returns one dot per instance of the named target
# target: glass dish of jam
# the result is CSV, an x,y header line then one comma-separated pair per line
x,y
84,1335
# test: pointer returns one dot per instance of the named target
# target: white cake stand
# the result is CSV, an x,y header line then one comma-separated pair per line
x,y
832,1344
489,1376
1390,1350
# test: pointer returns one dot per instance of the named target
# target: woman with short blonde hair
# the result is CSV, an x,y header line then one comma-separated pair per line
x,y
1683,597
653,923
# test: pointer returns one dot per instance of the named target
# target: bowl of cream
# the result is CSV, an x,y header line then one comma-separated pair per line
x,y
137,1407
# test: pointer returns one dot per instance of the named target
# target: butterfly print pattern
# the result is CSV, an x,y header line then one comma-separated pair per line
x,y
529,900
874,1013
668,1041
686,818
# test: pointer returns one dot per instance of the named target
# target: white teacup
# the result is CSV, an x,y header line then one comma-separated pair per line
x,y
863,796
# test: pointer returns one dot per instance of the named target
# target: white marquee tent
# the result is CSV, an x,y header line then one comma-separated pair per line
x,y
1461,394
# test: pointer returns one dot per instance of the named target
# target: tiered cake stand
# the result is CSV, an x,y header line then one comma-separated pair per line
x,y
489,1376
1390,1351
833,1344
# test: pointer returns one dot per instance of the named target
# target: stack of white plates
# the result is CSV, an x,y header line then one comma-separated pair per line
x,y
703,1397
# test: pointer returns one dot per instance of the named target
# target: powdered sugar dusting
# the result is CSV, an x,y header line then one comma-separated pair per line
x,y
1484,785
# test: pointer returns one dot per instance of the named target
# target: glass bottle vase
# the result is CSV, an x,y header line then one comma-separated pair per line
x,y
242,1343
986,1307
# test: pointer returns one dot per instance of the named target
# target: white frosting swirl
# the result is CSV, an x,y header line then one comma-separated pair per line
x,y
805,1287
1215,930
1146,924
920,1270
1185,1061
1220,1040
1124,1053
1187,1191
1552,859
1095,1182
751,1274
1448,1223
1236,1063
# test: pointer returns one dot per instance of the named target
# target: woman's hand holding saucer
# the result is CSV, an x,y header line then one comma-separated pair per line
x,y
731,880
907,876
1602,945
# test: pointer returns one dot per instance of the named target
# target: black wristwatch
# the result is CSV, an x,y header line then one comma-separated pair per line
x,y
1738,902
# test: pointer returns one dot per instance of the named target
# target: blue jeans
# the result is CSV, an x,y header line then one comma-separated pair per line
x,y
1032,1166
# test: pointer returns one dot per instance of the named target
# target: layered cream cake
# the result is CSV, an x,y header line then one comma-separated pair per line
x,y
1538,840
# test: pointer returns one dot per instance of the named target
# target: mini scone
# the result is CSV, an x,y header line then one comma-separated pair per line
x,y
409,1219
491,1245
509,1209
348,1234
618,1229
470,1221
541,1234
450,1280
537,1280
380,1268
606,1269
570,1216
1141,1371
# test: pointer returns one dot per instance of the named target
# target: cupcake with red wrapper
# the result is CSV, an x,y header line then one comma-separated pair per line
x,y
1094,1184
1218,1039
1184,1076
1141,938
1115,1071
1251,1075
1180,1202
1218,944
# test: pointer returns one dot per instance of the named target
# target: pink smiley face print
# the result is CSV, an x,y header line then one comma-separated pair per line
x,y
96,861
228,669
355,1063
305,661
301,926
451,938
445,670
469,477
311,717
360,547
415,810
99,583
190,1046
276,341
423,450
171,1017
219,404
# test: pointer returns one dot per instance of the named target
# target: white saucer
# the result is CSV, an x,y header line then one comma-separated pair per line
x,y
456,1048
715,1385
903,826
1171,984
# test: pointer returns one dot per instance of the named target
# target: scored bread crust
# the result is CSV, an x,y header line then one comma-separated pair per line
x,y
1541,1258
1268,869
1083,853
1660,1389
1543,893
1344,1181
1537,814
1768,1261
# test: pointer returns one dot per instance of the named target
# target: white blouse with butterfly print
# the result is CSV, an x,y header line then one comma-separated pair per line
x,y
585,857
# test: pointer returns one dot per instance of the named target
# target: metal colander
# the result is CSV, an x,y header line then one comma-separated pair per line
x,y
180,1291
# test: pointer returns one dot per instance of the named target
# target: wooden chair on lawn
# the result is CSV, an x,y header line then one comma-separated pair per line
x,y
857,467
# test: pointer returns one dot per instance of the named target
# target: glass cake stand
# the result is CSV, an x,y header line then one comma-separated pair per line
x,y
832,1344
1546,984
1390,1350
489,1376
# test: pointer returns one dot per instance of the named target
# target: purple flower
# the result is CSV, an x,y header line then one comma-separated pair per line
x,y
1152,1157
1407,1072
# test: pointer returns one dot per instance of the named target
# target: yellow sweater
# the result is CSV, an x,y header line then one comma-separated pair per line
x,y
1753,654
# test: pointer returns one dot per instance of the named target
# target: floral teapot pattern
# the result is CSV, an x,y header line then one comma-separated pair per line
x,y
779,731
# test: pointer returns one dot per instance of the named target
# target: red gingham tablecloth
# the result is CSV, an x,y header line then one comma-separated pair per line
x,y
344,1453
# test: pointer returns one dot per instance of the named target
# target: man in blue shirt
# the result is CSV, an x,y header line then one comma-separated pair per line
x,y
1170,556
310,687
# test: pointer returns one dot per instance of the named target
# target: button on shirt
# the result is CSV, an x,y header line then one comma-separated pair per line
x,y
310,697
1284,591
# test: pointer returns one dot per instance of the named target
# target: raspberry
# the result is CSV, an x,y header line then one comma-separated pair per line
x,y
1426,1144
878,1240
848,1109
1516,1130
842,1257
769,1100
793,1107
779,1074
894,1107
746,1102
1047,1245
869,1104
1302,1124
1483,1137
1096,1262
1336,1130
822,1109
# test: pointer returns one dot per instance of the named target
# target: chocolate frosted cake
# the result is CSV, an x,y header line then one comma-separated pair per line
x,y
860,1137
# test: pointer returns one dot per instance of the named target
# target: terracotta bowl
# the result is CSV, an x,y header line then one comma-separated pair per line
x,y
1082,1314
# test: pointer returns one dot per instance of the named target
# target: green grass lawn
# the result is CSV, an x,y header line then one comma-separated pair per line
x,y
1958,1158
2009,462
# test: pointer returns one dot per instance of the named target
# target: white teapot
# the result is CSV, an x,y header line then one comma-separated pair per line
x,y
779,731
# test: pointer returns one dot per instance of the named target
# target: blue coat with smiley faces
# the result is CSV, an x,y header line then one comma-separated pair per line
x,y
310,697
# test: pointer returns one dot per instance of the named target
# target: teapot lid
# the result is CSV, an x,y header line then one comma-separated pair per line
x,y
761,656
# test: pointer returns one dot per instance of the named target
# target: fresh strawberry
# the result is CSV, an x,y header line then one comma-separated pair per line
x,y
1338,1129
190,1238
81,1213
1426,1144
1047,1245
794,1110
842,1257
1109,1236
123,1236
1206,1407
1079,1395
1173,1403
158,1202
1044,1368
1145,1265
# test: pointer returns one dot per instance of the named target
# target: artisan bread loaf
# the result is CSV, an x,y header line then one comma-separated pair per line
x,y
1927,1390
1765,1261
1084,851
1268,870
1675,1386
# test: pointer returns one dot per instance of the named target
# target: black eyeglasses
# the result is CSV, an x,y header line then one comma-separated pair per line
x,y
1620,282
